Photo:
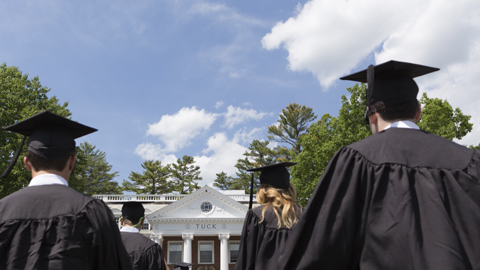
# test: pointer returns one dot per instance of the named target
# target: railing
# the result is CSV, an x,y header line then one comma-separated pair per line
x,y
158,198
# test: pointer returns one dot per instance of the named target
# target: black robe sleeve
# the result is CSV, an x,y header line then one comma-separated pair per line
x,y
110,251
252,235
155,258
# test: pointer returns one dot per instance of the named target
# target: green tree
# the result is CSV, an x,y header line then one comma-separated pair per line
x,y
92,173
259,154
21,98
440,118
223,181
185,174
243,179
293,123
153,179
474,147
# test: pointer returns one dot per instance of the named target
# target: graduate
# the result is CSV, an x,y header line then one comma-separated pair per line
x,y
49,225
402,198
144,253
267,227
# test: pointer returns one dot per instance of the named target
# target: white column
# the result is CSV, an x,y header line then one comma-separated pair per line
x,y
158,238
224,258
187,247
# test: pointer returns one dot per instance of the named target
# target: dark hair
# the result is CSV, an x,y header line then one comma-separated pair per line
x,y
390,114
39,163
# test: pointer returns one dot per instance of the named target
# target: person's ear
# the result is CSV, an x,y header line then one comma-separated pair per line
x,y
419,113
27,163
72,162
373,118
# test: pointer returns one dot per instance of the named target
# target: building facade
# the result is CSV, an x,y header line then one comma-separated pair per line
x,y
202,228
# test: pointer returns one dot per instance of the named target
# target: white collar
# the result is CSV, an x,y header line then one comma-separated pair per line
x,y
402,124
48,179
130,230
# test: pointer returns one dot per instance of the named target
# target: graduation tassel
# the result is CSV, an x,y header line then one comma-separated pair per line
x,y
14,159
251,194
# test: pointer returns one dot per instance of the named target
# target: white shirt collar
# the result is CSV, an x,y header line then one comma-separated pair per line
x,y
402,124
48,179
130,230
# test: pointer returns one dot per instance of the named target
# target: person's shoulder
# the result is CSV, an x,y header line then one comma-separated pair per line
x,y
63,197
414,148
138,239
258,211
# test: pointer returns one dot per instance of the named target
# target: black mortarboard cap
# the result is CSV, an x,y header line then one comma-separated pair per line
x,y
275,175
50,136
133,211
181,266
391,83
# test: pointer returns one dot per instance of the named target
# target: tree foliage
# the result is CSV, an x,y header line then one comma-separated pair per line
x,y
92,174
223,181
185,175
293,123
440,118
259,154
21,98
153,179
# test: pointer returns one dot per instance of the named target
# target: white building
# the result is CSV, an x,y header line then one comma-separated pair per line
x,y
202,228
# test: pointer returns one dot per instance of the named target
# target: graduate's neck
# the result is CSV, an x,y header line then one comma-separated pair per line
x,y
65,173
378,124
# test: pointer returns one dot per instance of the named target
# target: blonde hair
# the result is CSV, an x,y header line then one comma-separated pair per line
x,y
281,201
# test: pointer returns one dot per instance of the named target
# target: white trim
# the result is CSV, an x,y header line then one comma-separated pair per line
x,y
229,250
213,251
204,191
168,250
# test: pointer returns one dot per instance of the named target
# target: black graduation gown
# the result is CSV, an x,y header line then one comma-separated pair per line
x,y
261,243
144,253
56,227
400,199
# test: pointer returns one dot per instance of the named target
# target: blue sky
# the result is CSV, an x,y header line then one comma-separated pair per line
x,y
163,79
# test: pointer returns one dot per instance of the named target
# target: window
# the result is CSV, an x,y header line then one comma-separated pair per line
x,y
175,252
233,248
145,225
206,207
205,252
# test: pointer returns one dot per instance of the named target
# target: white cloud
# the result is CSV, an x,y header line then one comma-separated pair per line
x,y
218,104
149,151
176,131
237,115
224,156
247,136
329,38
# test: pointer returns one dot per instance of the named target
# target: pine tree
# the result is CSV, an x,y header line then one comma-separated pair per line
x,y
185,175
153,179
